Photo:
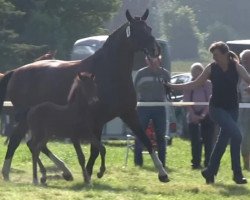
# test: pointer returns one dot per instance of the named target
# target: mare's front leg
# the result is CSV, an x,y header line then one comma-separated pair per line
x,y
132,120
81,159
16,136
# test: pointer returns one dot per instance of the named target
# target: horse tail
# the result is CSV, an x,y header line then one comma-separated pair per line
x,y
3,87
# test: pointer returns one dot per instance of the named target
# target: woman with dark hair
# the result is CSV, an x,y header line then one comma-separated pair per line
x,y
224,74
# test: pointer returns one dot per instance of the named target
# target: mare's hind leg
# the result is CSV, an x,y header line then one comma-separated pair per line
x,y
18,133
132,120
81,160
67,175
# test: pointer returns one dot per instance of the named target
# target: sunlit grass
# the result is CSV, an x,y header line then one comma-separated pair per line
x,y
119,182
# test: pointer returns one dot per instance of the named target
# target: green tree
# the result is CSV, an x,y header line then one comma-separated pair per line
x,y
218,32
7,35
46,24
182,32
65,21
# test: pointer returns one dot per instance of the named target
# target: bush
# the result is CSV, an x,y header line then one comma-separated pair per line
x,y
182,32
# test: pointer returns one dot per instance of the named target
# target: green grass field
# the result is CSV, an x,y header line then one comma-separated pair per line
x,y
119,182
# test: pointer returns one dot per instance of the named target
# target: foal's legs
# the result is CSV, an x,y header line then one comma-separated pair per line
x,y
81,159
18,133
102,153
94,152
132,120
35,145
35,157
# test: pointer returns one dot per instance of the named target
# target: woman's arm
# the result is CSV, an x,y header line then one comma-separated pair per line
x,y
193,84
243,73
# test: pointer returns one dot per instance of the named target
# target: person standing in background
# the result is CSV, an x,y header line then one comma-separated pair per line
x,y
149,88
201,127
244,117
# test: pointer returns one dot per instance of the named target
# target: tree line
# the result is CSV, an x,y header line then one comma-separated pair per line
x,y
29,28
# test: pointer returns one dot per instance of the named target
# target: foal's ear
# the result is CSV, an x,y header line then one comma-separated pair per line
x,y
145,15
79,75
129,17
82,76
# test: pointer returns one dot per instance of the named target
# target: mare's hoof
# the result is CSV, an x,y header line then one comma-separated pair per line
x,y
43,180
100,174
67,177
164,178
6,177
35,182
207,176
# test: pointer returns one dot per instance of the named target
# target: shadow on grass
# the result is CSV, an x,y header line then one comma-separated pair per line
x,y
153,169
232,190
87,187
17,171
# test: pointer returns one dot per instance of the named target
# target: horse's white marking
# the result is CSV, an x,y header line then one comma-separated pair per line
x,y
6,168
158,164
128,31
60,164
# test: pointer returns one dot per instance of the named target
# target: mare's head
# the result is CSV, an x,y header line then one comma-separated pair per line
x,y
140,35
83,90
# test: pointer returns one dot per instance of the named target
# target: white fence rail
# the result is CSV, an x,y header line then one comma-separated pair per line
x,y
242,105
116,128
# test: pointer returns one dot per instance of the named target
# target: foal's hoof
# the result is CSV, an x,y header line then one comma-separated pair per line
x,y
67,177
164,178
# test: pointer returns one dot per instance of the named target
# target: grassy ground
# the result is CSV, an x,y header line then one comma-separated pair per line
x,y
120,182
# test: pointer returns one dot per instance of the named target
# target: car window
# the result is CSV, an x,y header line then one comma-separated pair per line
x,y
180,79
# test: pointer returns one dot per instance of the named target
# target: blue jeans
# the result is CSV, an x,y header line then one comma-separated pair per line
x,y
227,121
158,116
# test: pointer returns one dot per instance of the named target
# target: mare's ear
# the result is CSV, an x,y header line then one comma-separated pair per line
x,y
92,76
129,17
145,15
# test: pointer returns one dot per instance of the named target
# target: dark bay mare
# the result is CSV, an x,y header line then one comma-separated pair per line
x,y
73,120
50,80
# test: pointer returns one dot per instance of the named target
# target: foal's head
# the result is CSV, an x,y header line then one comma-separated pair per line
x,y
83,90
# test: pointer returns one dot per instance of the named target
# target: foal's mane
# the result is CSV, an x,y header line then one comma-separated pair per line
x,y
73,89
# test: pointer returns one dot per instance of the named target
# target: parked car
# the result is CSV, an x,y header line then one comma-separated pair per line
x,y
180,78
180,112
238,46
